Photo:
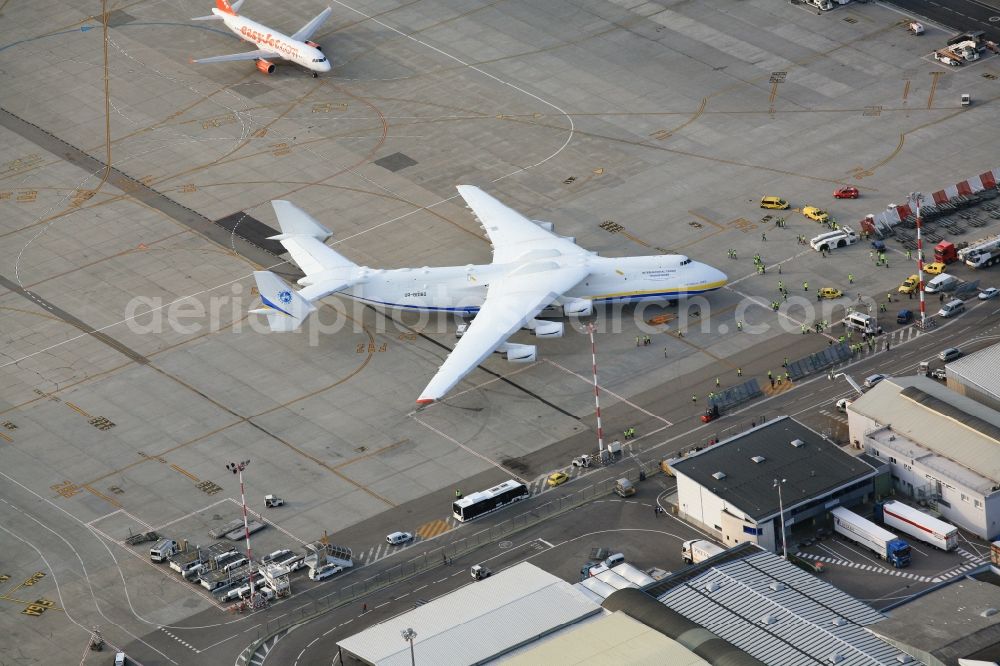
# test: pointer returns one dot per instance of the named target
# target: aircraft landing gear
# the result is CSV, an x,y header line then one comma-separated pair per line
x,y
315,74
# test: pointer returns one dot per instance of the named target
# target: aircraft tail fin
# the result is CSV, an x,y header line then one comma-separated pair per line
x,y
227,8
284,308
303,237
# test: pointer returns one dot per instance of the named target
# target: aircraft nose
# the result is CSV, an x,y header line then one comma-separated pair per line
x,y
714,277
327,66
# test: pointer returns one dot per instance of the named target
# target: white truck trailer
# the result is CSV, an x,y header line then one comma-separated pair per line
x,y
699,550
918,524
981,254
861,531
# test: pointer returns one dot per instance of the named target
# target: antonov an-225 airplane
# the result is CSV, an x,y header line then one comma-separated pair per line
x,y
534,272
270,43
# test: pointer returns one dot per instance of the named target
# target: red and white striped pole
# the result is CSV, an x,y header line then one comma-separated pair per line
x,y
597,393
237,468
917,197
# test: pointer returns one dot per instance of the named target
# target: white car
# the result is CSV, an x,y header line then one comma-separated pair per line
x,y
397,538
872,380
843,404
988,293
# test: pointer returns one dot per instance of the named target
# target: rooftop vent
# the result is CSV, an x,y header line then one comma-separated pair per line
x,y
838,621
798,443
712,586
719,476
835,658
770,618
904,658
988,612
758,459
777,586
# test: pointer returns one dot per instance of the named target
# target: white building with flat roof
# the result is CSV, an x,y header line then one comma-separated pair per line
x,y
941,447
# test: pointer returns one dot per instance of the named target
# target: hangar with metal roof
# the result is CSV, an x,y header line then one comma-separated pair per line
x,y
975,376
776,612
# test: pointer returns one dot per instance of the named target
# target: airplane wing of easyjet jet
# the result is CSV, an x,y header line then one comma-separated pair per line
x,y
543,268
306,32
249,55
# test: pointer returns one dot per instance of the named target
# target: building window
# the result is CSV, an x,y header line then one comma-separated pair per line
x,y
979,504
877,453
965,498
892,460
718,528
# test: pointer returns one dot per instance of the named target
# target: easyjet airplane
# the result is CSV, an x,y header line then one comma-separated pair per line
x,y
270,43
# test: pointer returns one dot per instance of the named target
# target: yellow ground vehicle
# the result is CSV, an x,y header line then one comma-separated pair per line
x,y
909,285
935,269
557,478
830,292
816,214
775,203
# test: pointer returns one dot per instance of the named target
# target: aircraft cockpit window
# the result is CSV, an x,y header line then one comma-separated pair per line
x,y
319,59
685,262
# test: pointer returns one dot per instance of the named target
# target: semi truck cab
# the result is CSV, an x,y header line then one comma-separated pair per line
x,y
898,553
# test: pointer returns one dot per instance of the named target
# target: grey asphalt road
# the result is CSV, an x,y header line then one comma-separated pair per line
x,y
960,15
810,401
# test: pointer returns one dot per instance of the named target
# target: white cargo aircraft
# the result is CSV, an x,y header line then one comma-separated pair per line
x,y
534,272
270,43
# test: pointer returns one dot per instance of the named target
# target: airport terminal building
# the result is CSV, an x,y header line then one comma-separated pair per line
x,y
943,448
729,489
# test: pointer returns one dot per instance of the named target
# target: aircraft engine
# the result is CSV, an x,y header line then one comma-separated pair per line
x,y
578,307
516,353
546,329
265,66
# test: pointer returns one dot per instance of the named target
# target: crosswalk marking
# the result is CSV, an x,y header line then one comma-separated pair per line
x,y
951,573
433,528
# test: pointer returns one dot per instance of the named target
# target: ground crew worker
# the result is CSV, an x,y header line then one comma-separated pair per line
x,y
779,379
871,255
888,298
781,285
739,325
850,278
763,237
785,364
664,352
716,382
805,286
739,372
694,398
458,494
803,329
909,255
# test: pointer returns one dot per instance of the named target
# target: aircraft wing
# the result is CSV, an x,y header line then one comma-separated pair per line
x,y
249,55
511,233
307,31
510,303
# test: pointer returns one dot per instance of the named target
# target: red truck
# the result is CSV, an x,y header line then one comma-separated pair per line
x,y
945,252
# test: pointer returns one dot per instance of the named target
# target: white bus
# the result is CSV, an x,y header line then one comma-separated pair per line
x,y
475,505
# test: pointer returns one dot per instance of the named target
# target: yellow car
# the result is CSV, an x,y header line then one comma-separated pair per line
x,y
909,285
935,269
817,214
830,292
557,478
775,203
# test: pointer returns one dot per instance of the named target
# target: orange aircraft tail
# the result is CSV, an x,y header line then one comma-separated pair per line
x,y
224,6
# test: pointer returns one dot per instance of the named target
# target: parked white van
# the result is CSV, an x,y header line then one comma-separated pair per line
x,y
862,322
940,283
